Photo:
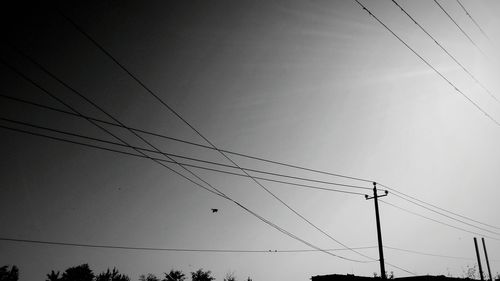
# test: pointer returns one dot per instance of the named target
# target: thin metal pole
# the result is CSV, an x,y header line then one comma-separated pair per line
x,y
478,260
379,233
486,257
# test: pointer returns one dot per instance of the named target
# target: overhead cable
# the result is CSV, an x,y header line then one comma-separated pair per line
x,y
156,134
460,28
427,254
212,190
437,207
149,157
430,65
183,156
78,93
437,221
45,91
448,53
474,21
445,215
157,97
200,250
119,247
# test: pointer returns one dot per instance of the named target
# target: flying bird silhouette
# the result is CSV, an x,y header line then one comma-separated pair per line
x,y
215,210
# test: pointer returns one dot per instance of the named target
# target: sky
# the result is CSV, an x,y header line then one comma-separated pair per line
x,y
318,84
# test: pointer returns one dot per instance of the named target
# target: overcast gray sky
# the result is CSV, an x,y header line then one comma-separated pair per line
x,y
319,84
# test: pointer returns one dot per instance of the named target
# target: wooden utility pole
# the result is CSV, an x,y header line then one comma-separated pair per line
x,y
379,231
486,257
478,260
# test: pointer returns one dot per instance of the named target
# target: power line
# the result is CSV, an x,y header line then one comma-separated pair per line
x,y
155,249
135,78
183,157
148,157
457,25
225,197
140,82
437,221
214,191
155,134
295,166
139,156
45,91
447,52
445,215
429,65
427,254
269,251
131,147
109,123
73,90
439,208
400,268
132,154
474,21
292,235
118,247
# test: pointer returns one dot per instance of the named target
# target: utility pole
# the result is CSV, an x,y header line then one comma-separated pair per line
x,y
379,231
486,257
478,260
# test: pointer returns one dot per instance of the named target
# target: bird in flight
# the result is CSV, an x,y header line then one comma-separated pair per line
x,y
215,210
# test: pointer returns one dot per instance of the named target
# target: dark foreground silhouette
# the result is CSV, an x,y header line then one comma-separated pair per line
x,y
7,274
84,273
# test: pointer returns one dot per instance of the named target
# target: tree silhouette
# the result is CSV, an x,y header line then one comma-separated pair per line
x,y
78,273
389,275
230,277
149,277
9,275
201,275
174,275
53,276
469,272
111,276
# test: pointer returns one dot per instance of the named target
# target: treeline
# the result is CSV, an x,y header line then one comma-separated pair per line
x,y
84,273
